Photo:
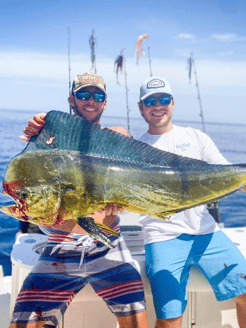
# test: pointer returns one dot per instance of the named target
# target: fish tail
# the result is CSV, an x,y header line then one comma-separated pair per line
x,y
95,230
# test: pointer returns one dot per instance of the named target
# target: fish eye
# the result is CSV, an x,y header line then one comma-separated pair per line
x,y
23,194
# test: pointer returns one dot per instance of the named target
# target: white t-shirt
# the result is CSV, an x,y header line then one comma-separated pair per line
x,y
192,143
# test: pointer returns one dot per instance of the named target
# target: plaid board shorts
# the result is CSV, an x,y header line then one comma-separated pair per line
x,y
67,263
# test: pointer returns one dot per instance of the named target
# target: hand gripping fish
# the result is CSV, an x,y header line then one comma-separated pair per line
x,y
73,168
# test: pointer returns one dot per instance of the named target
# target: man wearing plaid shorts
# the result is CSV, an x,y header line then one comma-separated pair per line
x,y
71,258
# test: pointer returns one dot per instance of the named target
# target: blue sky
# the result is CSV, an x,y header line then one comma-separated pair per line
x,y
34,53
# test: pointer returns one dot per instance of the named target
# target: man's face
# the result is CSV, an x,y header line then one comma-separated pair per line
x,y
89,109
159,116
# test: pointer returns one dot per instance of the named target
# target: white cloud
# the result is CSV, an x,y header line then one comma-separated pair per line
x,y
186,36
40,81
53,69
228,53
230,37
30,65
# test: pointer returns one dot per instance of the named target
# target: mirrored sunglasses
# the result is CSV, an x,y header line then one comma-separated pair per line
x,y
163,100
97,97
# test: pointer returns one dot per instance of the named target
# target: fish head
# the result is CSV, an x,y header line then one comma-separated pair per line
x,y
37,204
36,199
17,209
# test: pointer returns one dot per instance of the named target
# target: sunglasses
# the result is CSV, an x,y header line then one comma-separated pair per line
x,y
97,97
152,101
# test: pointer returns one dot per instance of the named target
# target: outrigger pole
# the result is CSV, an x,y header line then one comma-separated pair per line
x,y
69,70
126,88
150,69
191,62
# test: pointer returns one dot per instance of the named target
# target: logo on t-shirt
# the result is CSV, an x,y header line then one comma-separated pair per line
x,y
183,147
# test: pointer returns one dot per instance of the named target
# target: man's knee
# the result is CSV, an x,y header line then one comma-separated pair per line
x,y
138,320
169,323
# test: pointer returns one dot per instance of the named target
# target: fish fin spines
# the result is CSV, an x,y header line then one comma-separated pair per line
x,y
58,132
91,226
107,229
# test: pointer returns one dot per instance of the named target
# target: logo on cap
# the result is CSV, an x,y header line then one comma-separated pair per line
x,y
156,83
89,78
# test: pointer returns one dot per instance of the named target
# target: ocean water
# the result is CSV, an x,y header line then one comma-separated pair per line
x,y
229,138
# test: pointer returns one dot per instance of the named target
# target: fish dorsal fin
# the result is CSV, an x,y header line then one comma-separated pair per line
x,y
65,131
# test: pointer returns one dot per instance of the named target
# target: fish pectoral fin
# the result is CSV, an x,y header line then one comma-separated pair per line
x,y
106,229
95,230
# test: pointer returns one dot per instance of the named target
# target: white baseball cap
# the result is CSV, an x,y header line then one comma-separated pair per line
x,y
154,85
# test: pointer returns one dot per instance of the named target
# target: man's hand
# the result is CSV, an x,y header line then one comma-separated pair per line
x,y
33,127
106,216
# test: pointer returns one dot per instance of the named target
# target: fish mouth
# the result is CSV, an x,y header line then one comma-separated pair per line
x,y
14,211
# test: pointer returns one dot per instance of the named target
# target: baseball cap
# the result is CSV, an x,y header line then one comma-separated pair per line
x,y
154,85
88,79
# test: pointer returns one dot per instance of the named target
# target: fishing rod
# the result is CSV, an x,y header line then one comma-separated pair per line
x,y
150,68
192,62
69,70
126,88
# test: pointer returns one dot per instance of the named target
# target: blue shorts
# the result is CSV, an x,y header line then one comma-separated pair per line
x,y
168,264
66,265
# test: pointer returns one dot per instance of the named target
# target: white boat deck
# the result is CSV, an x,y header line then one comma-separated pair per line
x,y
203,311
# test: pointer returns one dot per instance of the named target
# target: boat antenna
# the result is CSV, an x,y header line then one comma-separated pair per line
x,y
191,63
69,70
150,69
92,43
126,88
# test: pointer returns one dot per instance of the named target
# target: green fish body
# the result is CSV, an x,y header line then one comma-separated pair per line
x,y
74,168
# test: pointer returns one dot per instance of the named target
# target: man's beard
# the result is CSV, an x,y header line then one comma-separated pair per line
x,y
95,119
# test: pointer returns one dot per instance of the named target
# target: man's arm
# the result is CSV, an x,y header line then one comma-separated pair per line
x,y
35,124
106,216
120,130
33,127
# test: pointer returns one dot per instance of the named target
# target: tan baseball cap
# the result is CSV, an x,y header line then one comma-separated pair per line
x,y
88,79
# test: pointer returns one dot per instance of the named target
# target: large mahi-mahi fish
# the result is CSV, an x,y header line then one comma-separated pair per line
x,y
73,168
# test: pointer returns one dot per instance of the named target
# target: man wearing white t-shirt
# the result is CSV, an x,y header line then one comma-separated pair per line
x,y
191,237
